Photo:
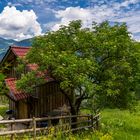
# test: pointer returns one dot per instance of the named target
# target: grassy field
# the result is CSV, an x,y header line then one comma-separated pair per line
x,y
121,124
115,125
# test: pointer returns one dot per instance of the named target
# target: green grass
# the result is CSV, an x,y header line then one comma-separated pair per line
x,y
3,110
2,113
121,124
115,124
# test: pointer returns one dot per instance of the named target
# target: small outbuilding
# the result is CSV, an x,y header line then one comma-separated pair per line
x,y
47,98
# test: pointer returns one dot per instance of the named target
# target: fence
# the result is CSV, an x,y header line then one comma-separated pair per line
x,y
65,124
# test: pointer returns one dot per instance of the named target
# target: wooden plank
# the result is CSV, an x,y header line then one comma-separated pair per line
x,y
45,101
15,121
96,115
41,101
91,117
15,132
87,121
60,117
34,128
12,128
41,119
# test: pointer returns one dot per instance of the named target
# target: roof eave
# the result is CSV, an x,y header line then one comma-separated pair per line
x,y
5,56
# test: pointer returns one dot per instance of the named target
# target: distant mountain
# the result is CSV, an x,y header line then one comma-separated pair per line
x,y
5,43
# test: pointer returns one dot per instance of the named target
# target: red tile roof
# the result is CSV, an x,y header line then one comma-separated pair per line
x,y
20,51
11,82
14,93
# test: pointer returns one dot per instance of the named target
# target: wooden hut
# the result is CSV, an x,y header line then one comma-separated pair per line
x,y
46,99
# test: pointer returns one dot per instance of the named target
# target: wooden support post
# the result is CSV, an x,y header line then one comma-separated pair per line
x,y
12,128
91,117
34,128
97,122
61,124
88,120
69,123
49,125
49,122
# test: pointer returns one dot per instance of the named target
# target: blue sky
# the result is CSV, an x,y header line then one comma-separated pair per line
x,y
21,19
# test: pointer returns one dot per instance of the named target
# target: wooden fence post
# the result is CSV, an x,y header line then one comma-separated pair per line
x,y
69,123
97,122
12,128
61,124
34,128
49,122
88,120
91,117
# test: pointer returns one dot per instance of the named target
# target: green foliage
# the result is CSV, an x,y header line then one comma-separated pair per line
x,y
99,64
3,69
31,81
2,87
118,60
66,54
3,110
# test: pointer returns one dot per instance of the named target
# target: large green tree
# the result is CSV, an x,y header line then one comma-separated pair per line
x,y
99,63
67,55
118,59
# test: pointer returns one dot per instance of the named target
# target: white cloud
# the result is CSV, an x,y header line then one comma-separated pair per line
x,y
127,2
114,12
72,13
87,15
132,21
97,10
18,25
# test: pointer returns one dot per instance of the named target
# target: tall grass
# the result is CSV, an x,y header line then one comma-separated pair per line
x,y
121,124
115,124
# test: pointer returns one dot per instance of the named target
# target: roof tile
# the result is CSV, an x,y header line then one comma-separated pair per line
x,y
17,95
20,51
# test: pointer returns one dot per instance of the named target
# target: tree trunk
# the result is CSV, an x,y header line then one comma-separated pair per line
x,y
74,119
74,107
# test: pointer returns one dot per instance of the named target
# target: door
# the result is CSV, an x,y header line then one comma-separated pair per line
x,y
23,109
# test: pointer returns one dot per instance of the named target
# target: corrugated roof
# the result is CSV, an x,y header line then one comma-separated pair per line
x,y
14,93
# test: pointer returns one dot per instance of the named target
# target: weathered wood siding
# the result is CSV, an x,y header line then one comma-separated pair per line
x,y
10,66
13,106
47,98
22,109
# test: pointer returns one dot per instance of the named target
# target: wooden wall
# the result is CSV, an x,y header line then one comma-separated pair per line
x,y
47,98
23,109
13,106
